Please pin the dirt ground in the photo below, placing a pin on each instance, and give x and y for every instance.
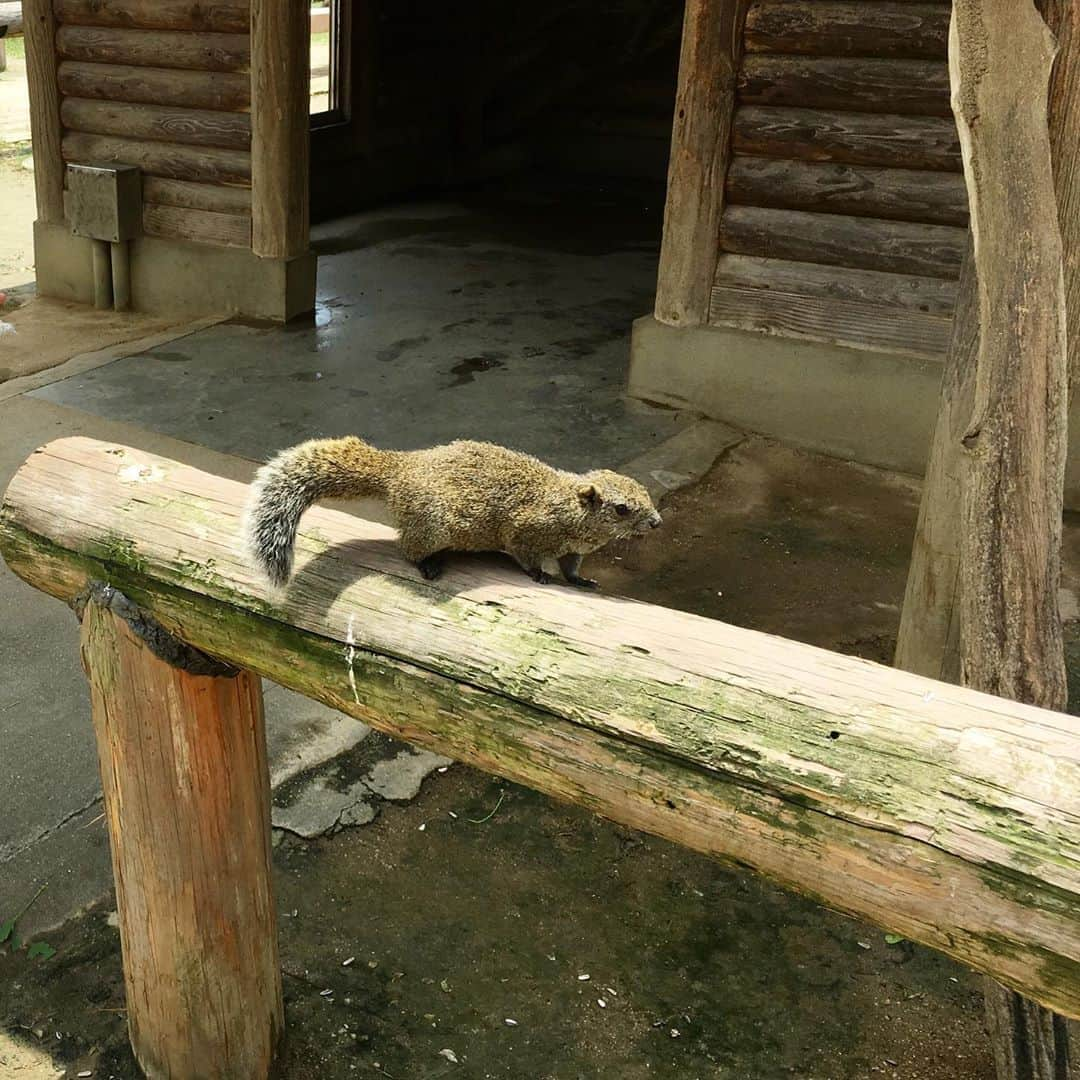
(16, 181)
(17, 220)
(483, 931)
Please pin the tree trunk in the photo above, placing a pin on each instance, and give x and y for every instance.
(982, 590)
(1063, 18)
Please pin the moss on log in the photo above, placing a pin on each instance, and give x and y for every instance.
(942, 814)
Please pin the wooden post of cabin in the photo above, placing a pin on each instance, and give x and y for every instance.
(187, 796)
(700, 142)
(39, 30)
(987, 553)
(280, 93)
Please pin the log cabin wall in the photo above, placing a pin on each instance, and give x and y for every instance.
(845, 211)
(164, 85)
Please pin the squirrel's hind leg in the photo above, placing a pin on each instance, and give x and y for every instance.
(431, 566)
(426, 552)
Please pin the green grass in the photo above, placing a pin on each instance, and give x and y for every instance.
(15, 48)
(321, 39)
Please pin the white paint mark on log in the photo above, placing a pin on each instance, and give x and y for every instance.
(350, 658)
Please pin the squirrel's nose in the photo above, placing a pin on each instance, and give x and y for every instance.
(656, 520)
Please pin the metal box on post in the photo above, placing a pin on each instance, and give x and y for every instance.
(104, 204)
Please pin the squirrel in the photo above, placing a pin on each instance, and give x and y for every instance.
(464, 496)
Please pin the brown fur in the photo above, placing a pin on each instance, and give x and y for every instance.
(465, 496)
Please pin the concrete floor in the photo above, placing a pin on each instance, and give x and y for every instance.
(477, 318)
(434, 322)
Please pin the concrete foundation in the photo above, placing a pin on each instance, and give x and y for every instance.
(875, 408)
(177, 277)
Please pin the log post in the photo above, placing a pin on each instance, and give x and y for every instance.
(929, 639)
(982, 590)
(39, 29)
(183, 765)
(280, 142)
(700, 151)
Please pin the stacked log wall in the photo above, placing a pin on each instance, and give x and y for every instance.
(844, 204)
(165, 86)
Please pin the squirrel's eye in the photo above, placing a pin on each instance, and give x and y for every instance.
(622, 511)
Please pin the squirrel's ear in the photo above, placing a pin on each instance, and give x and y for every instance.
(588, 495)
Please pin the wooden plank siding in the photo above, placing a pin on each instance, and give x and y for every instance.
(164, 85)
(844, 211)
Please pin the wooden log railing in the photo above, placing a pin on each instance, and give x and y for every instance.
(945, 815)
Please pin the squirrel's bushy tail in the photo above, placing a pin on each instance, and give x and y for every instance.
(289, 483)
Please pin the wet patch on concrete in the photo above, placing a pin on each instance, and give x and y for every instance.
(464, 371)
(400, 347)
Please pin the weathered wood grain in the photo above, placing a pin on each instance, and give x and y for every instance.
(905, 142)
(187, 798)
(1063, 19)
(39, 30)
(934, 296)
(199, 226)
(898, 247)
(164, 123)
(227, 91)
(226, 200)
(280, 129)
(919, 87)
(948, 816)
(160, 159)
(700, 145)
(154, 48)
(860, 190)
(848, 28)
(215, 16)
(849, 323)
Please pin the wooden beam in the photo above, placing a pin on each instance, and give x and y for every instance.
(187, 799)
(280, 135)
(39, 30)
(215, 16)
(226, 200)
(950, 817)
(860, 190)
(228, 91)
(850, 138)
(154, 48)
(934, 296)
(848, 28)
(899, 247)
(700, 145)
(160, 159)
(199, 226)
(163, 123)
(919, 87)
(853, 324)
